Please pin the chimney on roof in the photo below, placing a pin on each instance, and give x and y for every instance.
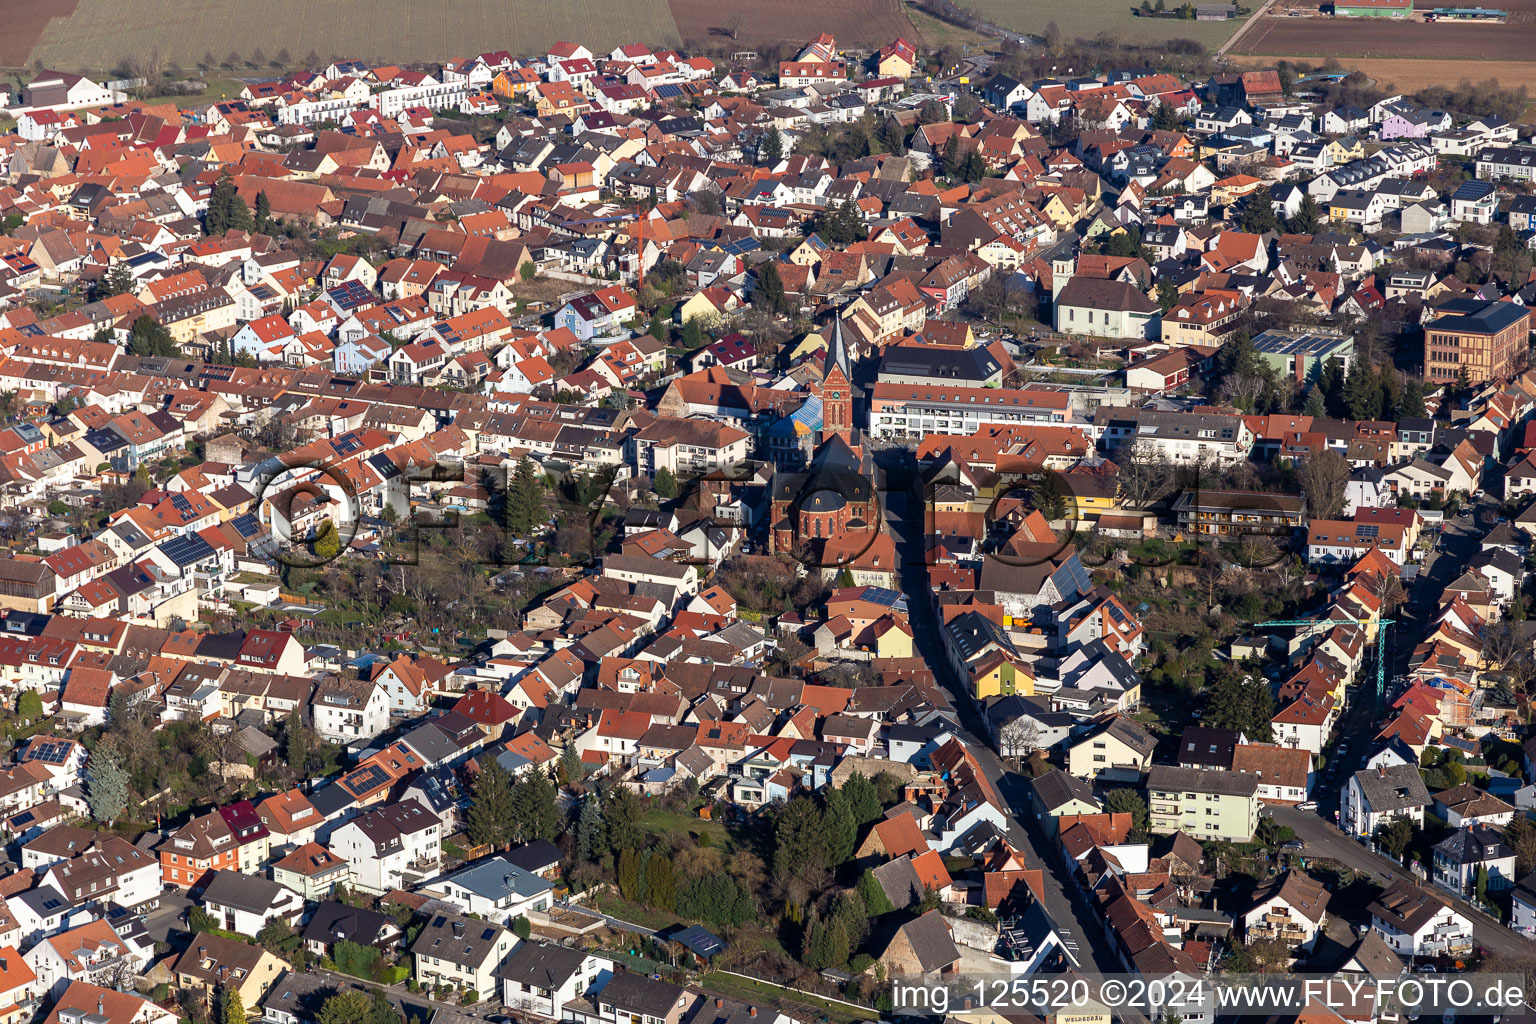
(751, 1011)
(719, 1003)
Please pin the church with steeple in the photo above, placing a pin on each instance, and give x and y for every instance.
(835, 389)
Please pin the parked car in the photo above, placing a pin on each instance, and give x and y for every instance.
(1307, 805)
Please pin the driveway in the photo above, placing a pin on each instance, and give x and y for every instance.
(162, 923)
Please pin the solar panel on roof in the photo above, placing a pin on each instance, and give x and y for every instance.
(187, 550)
(247, 525)
(367, 777)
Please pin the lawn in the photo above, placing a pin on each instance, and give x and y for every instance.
(614, 905)
(215, 89)
(661, 821)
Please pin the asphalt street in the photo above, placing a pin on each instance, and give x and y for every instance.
(1068, 908)
(1324, 840)
(1362, 720)
(1460, 538)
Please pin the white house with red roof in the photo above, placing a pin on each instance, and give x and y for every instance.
(599, 314)
(567, 51)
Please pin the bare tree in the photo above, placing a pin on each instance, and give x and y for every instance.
(1507, 648)
(1145, 476)
(734, 24)
(1324, 476)
(1019, 738)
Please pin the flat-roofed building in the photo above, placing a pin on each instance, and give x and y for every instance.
(1240, 512)
(1301, 354)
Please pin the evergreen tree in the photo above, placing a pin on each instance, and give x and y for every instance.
(874, 897)
(1412, 403)
(841, 224)
(226, 210)
(1330, 381)
(1050, 496)
(1362, 392)
(974, 168)
(1259, 213)
(863, 798)
(799, 845)
(838, 825)
(851, 913)
(836, 943)
(1391, 392)
(148, 338)
(693, 334)
(346, 1008)
(661, 883)
(231, 1006)
(383, 1011)
(570, 764)
(813, 941)
(535, 808)
(1243, 702)
(629, 874)
(1128, 801)
(950, 161)
(106, 785)
(894, 137)
(772, 149)
(1314, 404)
(29, 706)
(621, 819)
(1167, 295)
(490, 813)
(591, 835)
(263, 210)
(327, 543)
(1463, 387)
(1305, 221)
(117, 281)
(298, 743)
(770, 287)
(664, 484)
(525, 499)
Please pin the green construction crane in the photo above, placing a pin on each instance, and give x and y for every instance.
(1381, 643)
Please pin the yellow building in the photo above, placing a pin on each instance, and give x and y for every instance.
(1344, 149)
(997, 675)
(702, 308)
(1203, 804)
(893, 638)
